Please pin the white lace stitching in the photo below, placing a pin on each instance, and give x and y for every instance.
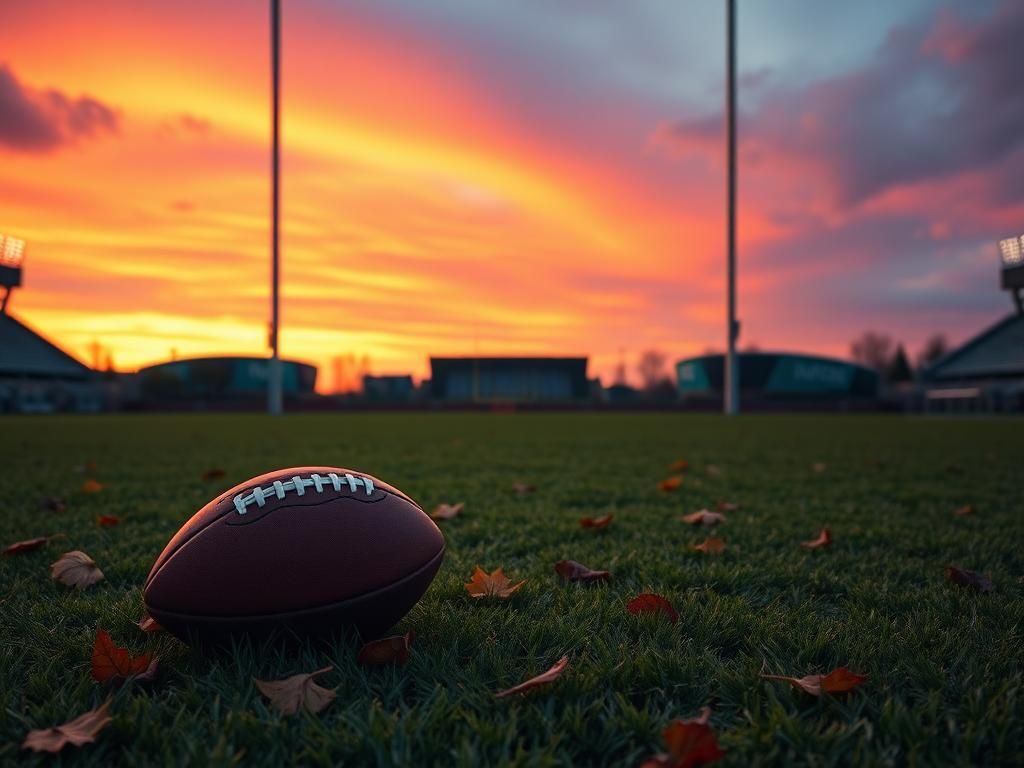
(299, 484)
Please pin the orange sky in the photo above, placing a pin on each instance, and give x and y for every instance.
(426, 211)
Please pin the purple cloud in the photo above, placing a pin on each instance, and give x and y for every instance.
(42, 121)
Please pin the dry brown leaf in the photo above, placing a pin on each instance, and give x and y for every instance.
(109, 662)
(495, 584)
(214, 473)
(824, 539)
(92, 486)
(969, 579)
(727, 506)
(447, 511)
(839, 680)
(149, 625)
(387, 650)
(28, 545)
(297, 692)
(711, 546)
(76, 569)
(703, 517)
(570, 570)
(713, 470)
(651, 603)
(819, 467)
(522, 488)
(81, 730)
(965, 510)
(690, 743)
(107, 521)
(679, 465)
(53, 504)
(673, 483)
(542, 679)
(596, 522)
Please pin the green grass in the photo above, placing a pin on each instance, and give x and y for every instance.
(946, 685)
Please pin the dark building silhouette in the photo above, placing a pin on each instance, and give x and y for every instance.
(220, 380)
(509, 379)
(389, 389)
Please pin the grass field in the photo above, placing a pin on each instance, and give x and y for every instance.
(945, 664)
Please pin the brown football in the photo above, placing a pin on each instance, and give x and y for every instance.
(309, 549)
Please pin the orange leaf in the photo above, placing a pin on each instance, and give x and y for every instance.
(447, 511)
(493, 585)
(703, 517)
(690, 743)
(839, 680)
(297, 692)
(25, 546)
(148, 624)
(106, 521)
(542, 679)
(965, 510)
(673, 483)
(679, 465)
(112, 663)
(81, 730)
(727, 506)
(570, 570)
(975, 581)
(711, 546)
(824, 539)
(76, 569)
(91, 486)
(387, 650)
(596, 522)
(215, 473)
(650, 603)
(522, 488)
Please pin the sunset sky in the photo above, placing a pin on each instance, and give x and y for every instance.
(499, 177)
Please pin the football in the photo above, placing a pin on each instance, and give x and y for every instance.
(310, 550)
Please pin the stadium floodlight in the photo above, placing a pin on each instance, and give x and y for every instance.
(12, 254)
(1011, 250)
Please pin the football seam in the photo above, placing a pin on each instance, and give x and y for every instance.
(279, 616)
(228, 511)
(299, 484)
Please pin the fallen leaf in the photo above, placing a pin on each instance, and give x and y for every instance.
(596, 522)
(27, 545)
(824, 539)
(713, 469)
(542, 679)
(76, 569)
(819, 467)
(570, 570)
(650, 603)
(965, 510)
(711, 546)
(53, 503)
(727, 506)
(92, 486)
(148, 624)
(673, 483)
(494, 585)
(81, 730)
(690, 743)
(109, 662)
(703, 517)
(447, 511)
(522, 488)
(87, 467)
(297, 692)
(970, 579)
(106, 521)
(215, 473)
(839, 680)
(679, 465)
(387, 650)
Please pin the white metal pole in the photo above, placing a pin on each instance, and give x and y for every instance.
(274, 404)
(732, 399)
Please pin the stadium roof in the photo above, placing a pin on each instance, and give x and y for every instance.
(23, 352)
(997, 352)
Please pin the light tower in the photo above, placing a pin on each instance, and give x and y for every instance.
(12, 254)
(1012, 252)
